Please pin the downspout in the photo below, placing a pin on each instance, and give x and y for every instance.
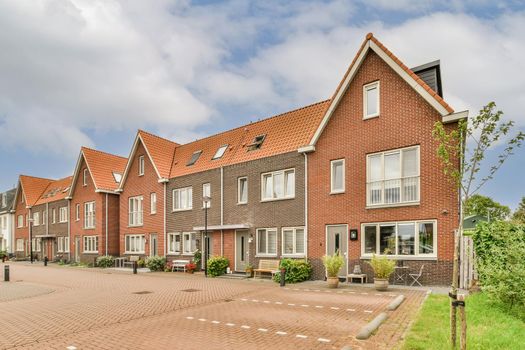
(306, 203)
(107, 232)
(69, 228)
(47, 219)
(164, 214)
(222, 210)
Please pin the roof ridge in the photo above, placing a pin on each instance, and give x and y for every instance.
(258, 121)
(99, 151)
(159, 137)
(37, 177)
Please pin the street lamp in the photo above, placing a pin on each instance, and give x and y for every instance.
(31, 238)
(206, 200)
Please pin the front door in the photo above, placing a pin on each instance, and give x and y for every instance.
(337, 241)
(242, 250)
(77, 249)
(153, 245)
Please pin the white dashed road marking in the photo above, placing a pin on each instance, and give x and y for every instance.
(230, 324)
(323, 340)
(202, 319)
(216, 322)
(245, 326)
(301, 336)
(189, 318)
(368, 311)
(262, 329)
(281, 333)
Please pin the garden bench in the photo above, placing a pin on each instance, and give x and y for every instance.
(267, 266)
(132, 260)
(178, 264)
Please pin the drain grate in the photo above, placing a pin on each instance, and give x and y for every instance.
(142, 292)
(190, 290)
(227, 300)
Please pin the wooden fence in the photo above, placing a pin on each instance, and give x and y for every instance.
(467, 272)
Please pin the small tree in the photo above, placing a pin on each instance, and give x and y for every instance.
(483, 205)
(519, 214)
(462, 152)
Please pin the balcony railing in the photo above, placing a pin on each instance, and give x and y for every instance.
(393, 191)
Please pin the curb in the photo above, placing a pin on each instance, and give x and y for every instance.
(372, 326)
(395, 303)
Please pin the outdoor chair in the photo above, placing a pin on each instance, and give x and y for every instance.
(417, 276)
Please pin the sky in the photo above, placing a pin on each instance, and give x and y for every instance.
(90, 73)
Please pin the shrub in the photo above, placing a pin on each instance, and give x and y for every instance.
(197, 258)
(190, 267)
(383, 266)
(297, 270)
(141, 263)
(500, 262)
(105, 261)
(155, 263)
(333, 264)
(217, 265)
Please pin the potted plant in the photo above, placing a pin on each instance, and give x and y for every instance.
(383, 268)
(249, 270)
(141, 263)
(190, 268)
(333, 264)
(3, 255)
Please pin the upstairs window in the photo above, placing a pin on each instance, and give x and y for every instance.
(242, 190)
(20, 221)
(36, 219)
(44, 217)
(135, 211)
(278, 185)
(63, 214)
(183, 199)
(257, 143)
(371, 100)
(141, 165)
(89, 215)
(84, 180)
(393, 177)
(53, 215)
(220, 152)
(77, 212)
(194, 157)
(337, 175)
(153, 203)
(206, 192)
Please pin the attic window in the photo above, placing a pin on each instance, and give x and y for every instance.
(117, 177)
(194, 157)
(257, 142)
(220, 152)
(65, 190)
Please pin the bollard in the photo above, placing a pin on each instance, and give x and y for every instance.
(283, 277)
(134, 267)
(45, 261)
(6, 273)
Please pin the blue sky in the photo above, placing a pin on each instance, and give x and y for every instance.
(92, 72)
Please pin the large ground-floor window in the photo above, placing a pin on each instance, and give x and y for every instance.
(404, 239)
(90, 244)
(135, 244)
(174, 243)
(63, 244)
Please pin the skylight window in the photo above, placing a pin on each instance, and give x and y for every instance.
(194, 157)
(220, 152)
(65, 190)
(117, 177)
(257, 142)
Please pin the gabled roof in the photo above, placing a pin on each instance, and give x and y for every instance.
(283, 133)
(160, 151)
(55, 191)
(371, 43)
(9, 200)
(32, 188)
(101, 166)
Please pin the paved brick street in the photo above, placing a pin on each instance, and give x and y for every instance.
(57, 307)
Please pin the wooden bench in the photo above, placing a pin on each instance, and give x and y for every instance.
(178, 264)
(267, 266)
(132, 259)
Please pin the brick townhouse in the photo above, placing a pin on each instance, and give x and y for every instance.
(375, 183)
(94, 208)
(7, 221)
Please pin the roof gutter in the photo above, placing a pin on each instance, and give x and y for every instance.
(306, 149)
(455, 117)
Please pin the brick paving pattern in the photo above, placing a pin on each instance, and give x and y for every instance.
(57, 307)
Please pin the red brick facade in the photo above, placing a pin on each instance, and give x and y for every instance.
(23, 231)
(406, 119)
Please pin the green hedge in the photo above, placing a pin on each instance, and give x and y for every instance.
(217, 266)
(297, 270)
(500, 261)
(105, 261)
(156, 263)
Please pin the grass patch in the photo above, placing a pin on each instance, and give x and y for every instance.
(489, 326)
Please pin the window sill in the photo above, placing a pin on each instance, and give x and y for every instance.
(153, 213)
(187, 254)
(179, 210)
(395, 205)
(337, 192)
(293, 256)
(90, 252)
(131, 226)
(402, 257)
(174, 253)
(89, 228)
(242, 203)
(372, 116)
(266, 256)
(276, 199)
(131, 253)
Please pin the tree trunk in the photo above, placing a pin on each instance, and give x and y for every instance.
(454, 287)
(463, 323)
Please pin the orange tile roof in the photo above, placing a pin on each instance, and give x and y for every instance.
(33, 187)
(284, 133)
(55, 191)
(102, 165)
(160, 150)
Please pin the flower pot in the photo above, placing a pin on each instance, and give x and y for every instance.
(333, 282)
(249, 273)
(381, 284)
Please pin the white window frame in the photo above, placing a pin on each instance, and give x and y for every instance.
(36, 219)
(401, 202)
(284, 184)
(220, 152)
(136, 217)
(53, 216)
(153, 203)
(397, 256)
(189, 197)
(77, 212)
(141, 165)
(20, 245)
(206, 191)
(62, 214)
(171, 243)
(332, 164)
(294, 233)
(63, 244)
(90, 244)
(20, 221)
(264, 254)
(367, 87)
(84, 180)
(89, 215)
(239, 197)
(133, 248)
(44, 217)
(192, 237)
